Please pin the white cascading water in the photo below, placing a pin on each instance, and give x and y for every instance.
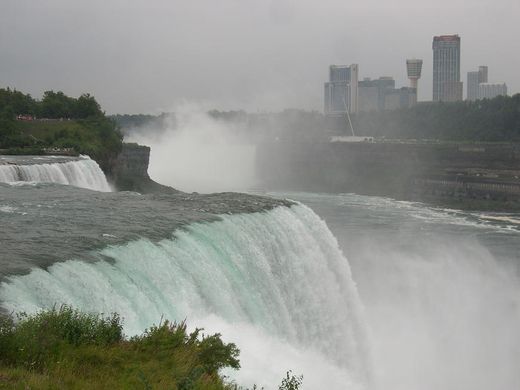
(84, 173)
(274, 282)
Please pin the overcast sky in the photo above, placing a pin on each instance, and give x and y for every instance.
(141, 56)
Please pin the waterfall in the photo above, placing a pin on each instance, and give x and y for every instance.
(82, 172)
(275, 282)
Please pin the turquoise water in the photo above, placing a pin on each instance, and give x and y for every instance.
(440, 288)
(353, 292)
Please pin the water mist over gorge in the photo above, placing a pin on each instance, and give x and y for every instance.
(194, 152)
(260, 195)
(440, 288)
(351, 291)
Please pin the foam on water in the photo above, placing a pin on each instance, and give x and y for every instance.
(274, 282)
(7, 209)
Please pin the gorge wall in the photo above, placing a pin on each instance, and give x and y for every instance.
(129, 171)
(475, 175)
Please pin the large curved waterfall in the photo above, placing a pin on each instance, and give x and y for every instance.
(82, 172)
(278, 275)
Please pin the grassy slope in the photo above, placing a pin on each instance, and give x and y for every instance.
(95, 137)
(65, 349)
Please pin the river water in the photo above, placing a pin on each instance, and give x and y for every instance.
(353, 292)
(440, 288)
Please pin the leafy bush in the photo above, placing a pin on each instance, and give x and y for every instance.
(81, 350)
(291, 382)
(64, 348)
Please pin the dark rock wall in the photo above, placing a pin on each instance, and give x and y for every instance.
(401, 170)
(132, 162)
(129, 171)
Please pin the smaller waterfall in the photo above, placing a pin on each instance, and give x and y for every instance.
(82, 172)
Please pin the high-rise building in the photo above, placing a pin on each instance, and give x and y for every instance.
(474, 79)
(482, 74)
(396, 99)
(380, 94)
(341, 91)
(372, 93)
(446, 68)
(491, 90)
(413, 69)
(368, 97)
(472, 86)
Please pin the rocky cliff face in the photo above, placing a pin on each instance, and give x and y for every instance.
(129, 171)
(417, 171)
(132, 161)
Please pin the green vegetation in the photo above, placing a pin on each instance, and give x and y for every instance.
(488, 120)
(53, 105)
(29, 126)
(66, 349)
(127, 121)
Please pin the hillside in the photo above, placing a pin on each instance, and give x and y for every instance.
(57, 124)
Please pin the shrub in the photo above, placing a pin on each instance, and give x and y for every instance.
(33, 340)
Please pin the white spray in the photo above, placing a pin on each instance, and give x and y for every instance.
(199, 153)
(274, 282)
(84, 173)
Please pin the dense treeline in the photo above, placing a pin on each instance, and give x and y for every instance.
(53, 105)
(57, 121)
(488, 120)
(128, 121)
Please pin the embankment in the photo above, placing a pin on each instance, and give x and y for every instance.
(466, 175)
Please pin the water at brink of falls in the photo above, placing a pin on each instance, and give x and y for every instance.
(428, 298)
(80, 172)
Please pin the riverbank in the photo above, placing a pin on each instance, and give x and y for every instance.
(468, 175)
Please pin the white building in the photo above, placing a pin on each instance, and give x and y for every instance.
(491, 90)
(474, 79)
(341, 91)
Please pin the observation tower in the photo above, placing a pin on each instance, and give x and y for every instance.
(414, 68)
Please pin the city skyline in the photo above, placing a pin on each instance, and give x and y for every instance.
(253, 55)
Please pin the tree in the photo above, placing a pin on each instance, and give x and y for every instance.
(56, 105)
(86, 106)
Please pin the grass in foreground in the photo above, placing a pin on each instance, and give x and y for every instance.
(67, 349)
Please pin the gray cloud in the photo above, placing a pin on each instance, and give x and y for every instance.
(146, 56)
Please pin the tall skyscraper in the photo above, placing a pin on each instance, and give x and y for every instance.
(413, 69)
(474, 79)
(341, 91)
(446, 68)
